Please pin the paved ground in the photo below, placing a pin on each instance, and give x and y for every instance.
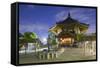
(70, 54)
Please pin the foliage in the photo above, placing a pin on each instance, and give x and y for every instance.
(27, 37)
(54, 42)
(91, 37)
(30, 36)
(80, 37)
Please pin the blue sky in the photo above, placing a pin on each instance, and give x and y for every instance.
(38, 19)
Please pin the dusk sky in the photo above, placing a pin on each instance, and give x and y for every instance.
(38, 19)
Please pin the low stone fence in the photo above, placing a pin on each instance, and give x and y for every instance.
(50, 54)
(89, 48)
(47, 55)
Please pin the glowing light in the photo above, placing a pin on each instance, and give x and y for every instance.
(44, 40)
(65, 40)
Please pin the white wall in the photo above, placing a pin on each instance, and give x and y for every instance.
(5, 33)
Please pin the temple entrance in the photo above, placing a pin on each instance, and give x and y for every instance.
(66, 41)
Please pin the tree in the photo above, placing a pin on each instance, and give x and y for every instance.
(21, 40)
(90, 37)
(28, 37)
(52, 41)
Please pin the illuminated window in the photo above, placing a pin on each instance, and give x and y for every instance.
(65, 40)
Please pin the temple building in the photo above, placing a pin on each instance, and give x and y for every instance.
(67, 30)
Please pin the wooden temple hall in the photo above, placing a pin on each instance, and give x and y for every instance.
(65, 31)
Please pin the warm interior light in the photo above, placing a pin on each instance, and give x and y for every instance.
(65, 40)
